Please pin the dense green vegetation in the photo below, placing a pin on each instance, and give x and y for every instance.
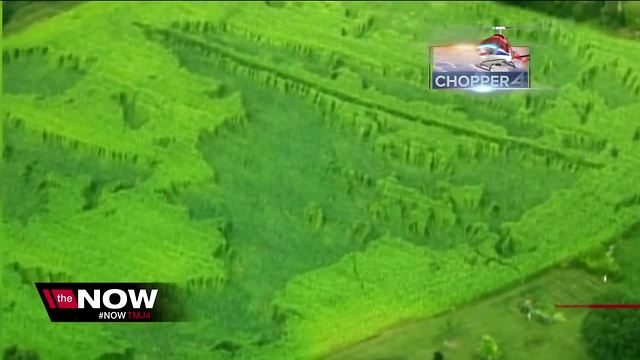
(17, 15)
(286, 166)
(617, 15)
(613, 334)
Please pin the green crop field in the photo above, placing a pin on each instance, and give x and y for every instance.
(286, 166)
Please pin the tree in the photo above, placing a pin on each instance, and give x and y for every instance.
(489, 349)
(612, 333)
(16, 353)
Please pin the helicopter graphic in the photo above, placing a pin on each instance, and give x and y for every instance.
(496, 51)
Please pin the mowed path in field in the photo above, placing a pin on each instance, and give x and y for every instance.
(457, 333)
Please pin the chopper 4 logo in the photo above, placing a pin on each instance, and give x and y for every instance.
(493, 64)
(89, 302)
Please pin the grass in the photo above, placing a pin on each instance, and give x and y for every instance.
(285, 164)
(457, 334)
(624, 254)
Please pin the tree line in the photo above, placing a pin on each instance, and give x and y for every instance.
(613, 14)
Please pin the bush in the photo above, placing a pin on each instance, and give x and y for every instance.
(612, 333)
(489, 349)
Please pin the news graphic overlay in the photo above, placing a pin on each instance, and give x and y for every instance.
(111, 302)
(479, 67)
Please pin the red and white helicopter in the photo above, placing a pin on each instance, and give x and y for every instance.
(496, 51)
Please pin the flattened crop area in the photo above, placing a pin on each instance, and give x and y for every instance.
(286, 166)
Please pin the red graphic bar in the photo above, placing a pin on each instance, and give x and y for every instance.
(47, 295)
(598, 306)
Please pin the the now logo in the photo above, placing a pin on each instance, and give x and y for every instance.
(106, 301)
(133, 297)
